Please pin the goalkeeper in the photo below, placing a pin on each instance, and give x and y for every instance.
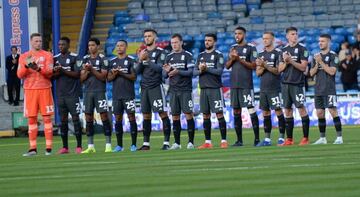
(36, 68)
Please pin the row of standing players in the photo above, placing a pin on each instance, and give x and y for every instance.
(282, 74)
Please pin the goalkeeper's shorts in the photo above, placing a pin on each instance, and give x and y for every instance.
(35, 100)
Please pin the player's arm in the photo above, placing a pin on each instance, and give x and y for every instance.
(84, 74)
(72, 73)
(219, 66)
(131, 76)
(23, 70)
(303, 59)
(273, 70)
(100, 75)
(47, 70)
(330, 69)
(112, 74)
(233, 56)
(190, 67)
(314, 68)
(196, 70)
(259, 71)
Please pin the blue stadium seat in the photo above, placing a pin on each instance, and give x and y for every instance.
(351, 39)
(142, 18)
(214, 15)
(234, 2)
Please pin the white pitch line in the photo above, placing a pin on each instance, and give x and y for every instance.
(262, 167)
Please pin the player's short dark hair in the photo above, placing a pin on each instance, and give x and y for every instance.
(150, 30)
(212, 35)
(97, 41)
(13, 47)
(177, 36)
(270, 33)
(35, 35)
(241, 29)
(325, 36)
(291, 29)
(122, 40)
(66, 39)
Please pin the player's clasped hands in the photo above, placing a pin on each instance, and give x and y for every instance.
(260, 62)
(202, 67)
(287, 57)
(31, 63)
(143, 55)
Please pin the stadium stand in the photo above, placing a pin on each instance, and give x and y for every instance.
(194, 18)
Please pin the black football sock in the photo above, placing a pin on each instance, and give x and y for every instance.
(322, 126)
(64, 133)
(191, 130)
(207, 129)
(255, 124)
(267, 126)
(238, 127)
(289, 122)
(177, 131)
(134, 131)
(222, 127)
(305, 125)
(119, 133)
(78, 133)
(281, 120)
(146, 130)
(337, 124)
(166, 128)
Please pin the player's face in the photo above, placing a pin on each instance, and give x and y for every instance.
(63, 46)
(292, 37)
(176, 44)
(121, 48)
(14, 50)
(324, 43)
(93, 48)
(149, 38)
(239, 36)
(209, 43)
(268, 40)
(36, 42)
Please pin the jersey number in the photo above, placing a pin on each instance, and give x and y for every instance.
(102, 104)
(78, 107)
(247, 99)
(130, 104)
(158, 103)
(300, 98)
(49, 108)
(275, 101)
(218, 104)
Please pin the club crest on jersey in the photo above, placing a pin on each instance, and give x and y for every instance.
(68, 61)
(106, 63)
(114, 63)
(162, 57)
(327, 58)
(126, 62)
(221, 60)
(244, 50)
(212, 57)
(79, 63)
(272, 56)
(97, 62)
(336, 60)
(153, 54)
(182, 57)
(296, 50)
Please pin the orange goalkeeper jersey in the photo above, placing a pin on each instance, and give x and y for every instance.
(34, 79)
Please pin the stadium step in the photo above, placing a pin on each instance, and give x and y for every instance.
(109, 10)
(72, 13)
(104, 16)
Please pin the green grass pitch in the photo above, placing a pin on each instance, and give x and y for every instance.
(323, 170)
